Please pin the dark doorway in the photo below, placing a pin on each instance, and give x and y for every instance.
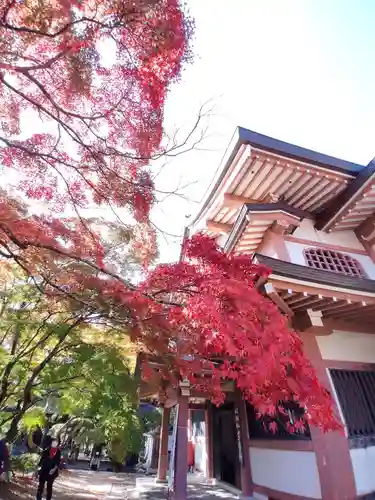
(225, 447)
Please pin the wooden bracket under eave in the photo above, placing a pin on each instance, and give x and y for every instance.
(260, 282)
(234, 200)
(218, 227)
(275, 297)
(311, 321)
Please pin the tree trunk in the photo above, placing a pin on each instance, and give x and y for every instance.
(27, 393)
(13, 429)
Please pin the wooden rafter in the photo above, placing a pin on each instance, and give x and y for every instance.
(275, 297)
(234, 200)
(218, 227)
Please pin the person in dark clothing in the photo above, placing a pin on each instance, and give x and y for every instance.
(49, 467)
(4, 458)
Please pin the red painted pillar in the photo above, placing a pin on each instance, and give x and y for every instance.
(331, 448)
(243, 445)
(181, 457)
(163, 447)
(209, 443)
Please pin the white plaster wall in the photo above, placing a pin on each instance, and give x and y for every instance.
(348, 346)
(200, 455)
(363, 460)
(293, 472)
(297, 257)
(259, 496)
(296, 252)
(344, 238)
(268, 249)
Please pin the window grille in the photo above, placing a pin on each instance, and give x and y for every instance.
(355, 391)
(337, 262)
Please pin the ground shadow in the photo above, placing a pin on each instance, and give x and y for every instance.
(195, 492)
(77, 485)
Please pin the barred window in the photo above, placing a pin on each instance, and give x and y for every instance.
(337, 262)
(355, 391)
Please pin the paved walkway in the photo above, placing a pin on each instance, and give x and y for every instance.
(76, 485)
(95, 485)
(87, 485)
(197, 490)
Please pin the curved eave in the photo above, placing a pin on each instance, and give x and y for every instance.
(222, 171)
(256, 167)
(253, 222)
(354, 205)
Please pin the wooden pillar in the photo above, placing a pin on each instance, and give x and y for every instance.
(191, 444)
(209, 442)
(163, 447)
(331, 448)
(155, 452)
(243, 445)
(181, 458)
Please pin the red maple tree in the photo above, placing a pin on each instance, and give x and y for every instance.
(221, 323)
(97, 73)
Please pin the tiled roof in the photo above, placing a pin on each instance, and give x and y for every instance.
(296, 152)
(304, 273)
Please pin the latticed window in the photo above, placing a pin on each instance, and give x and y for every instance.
(337, 262)
(355, 391)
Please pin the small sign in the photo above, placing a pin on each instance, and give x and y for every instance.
(238, 432)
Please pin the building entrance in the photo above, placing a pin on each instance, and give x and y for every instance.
(225, 447)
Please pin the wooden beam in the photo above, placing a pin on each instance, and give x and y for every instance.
(347, 325)
(283, 220)
(275, 297)
(260, 282)
(310, 321)
(311, 303)
(195, 406)
(219, 227)
(343, 294)
(234, 200)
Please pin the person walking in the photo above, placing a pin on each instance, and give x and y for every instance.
(4, 461)
(49, 467)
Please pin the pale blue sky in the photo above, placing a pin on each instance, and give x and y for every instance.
(302, 71)
(299, 70)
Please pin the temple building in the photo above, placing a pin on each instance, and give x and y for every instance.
(310, 218)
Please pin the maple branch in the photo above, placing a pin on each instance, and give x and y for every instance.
(24, 29)
(65, 379)
(25, 69)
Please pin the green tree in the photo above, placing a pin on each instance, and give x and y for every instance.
(46, 346)
(103, 403)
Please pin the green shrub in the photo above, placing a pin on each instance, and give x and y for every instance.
(28, 462)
